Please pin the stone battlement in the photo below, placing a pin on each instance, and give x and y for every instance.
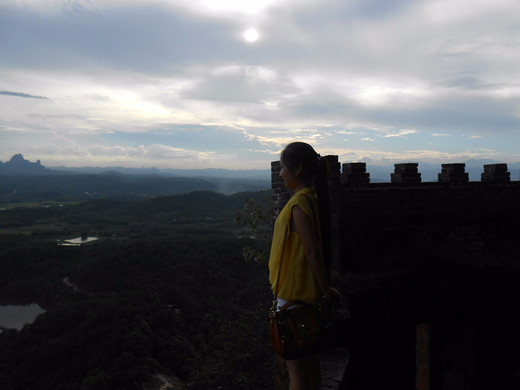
(379, 215)
(431, 274)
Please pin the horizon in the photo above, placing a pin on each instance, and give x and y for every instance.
(205, 85)
(474, 163)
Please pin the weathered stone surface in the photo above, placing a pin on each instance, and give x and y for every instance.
(495, 173)
(442, 254)
(333, 365)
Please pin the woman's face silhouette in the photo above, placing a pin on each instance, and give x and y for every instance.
(291, 179)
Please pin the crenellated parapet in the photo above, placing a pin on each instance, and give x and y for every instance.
(495, 173)
(355, 174)
(407, 174)
(430, 271)
(372, 222)
(280, 193)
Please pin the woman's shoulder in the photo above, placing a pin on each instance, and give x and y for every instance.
(304, 196)
(305, 201)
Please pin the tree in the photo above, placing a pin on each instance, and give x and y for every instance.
(255, 217)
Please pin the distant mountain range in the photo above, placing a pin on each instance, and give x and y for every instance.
(156, 181)
(20, 166)
(22, 179)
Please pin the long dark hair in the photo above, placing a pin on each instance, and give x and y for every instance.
(315, 170)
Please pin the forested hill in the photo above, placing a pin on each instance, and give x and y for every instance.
(195, 204)
(84, 186)
(22, 180)
(187, 308)
(196, 213)
(191, 206)
(164, 292)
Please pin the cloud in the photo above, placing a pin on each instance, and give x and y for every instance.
(241, 84)
(400, 133)
(436, 76)
(20, 94)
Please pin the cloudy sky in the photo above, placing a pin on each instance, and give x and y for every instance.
(227, 83)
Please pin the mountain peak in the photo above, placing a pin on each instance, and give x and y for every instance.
(17, 157)
(18, 165)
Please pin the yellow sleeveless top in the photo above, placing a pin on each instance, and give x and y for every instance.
(296, 279)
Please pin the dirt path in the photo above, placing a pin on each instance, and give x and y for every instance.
(166, 384)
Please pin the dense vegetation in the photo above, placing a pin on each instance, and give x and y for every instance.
(195, 213)
(67, 186)
(178, 303)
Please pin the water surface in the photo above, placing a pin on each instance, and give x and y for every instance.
(16, 316)
(79, 241)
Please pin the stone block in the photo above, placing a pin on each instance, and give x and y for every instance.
(405, 179)
(406, 168)
(351, 168)
(495, 168)
(453, 168)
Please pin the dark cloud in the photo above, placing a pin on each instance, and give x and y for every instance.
(245, 84)
(22, 95)
(470, 83)
(149, 38)
(376, 9)
(456, 114)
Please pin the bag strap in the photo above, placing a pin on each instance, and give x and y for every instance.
(275, 296)
(293, 303)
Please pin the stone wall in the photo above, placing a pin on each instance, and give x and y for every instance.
(431, 274)
(380, 226)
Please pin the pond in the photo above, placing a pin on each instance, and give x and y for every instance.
(16, 316)
(78, 241)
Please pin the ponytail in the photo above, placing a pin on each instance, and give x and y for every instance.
(321, 187)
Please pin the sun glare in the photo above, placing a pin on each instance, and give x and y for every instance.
(251, 35)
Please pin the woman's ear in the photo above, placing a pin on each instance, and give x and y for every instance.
(299, 169)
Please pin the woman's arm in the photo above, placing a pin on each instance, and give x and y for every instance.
(305, 230)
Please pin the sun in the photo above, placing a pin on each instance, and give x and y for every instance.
(251, 35)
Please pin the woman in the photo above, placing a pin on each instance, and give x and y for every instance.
(299, 240)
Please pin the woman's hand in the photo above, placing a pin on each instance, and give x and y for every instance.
(332, 295)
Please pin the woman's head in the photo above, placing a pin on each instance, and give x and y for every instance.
(302, 161)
